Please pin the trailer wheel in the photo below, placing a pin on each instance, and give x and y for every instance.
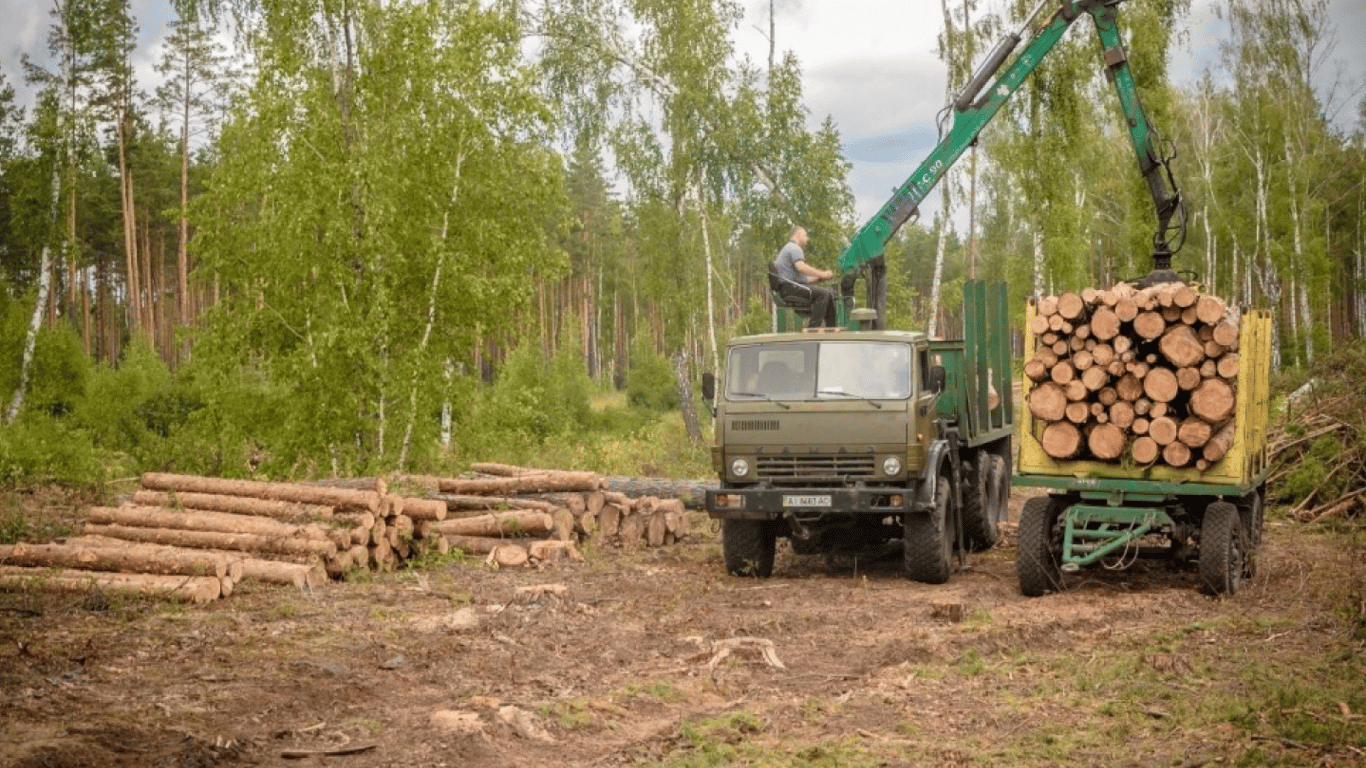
(986, 502)
(927, 538)
(1251, 510)
(748, 547)
(1223, 549)
(1036, 557)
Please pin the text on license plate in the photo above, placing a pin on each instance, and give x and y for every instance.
(812, 500)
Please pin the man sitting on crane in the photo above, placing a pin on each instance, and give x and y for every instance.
(797, 280)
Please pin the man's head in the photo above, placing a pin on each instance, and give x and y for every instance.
(798, 236)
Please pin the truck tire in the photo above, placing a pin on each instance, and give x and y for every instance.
(1251, 509)
(1036, 558)
(1223, 549)
(748, 547)
(927, 538)
(986, 501)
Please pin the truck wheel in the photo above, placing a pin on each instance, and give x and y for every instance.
(986, 502)
(1036, 558)
(1223, 549)
(1251, 510)
(927, 539)
(748, 547)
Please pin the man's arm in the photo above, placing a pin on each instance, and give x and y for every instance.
(812, 272)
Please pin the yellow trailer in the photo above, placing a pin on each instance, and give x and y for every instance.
(1113, 512)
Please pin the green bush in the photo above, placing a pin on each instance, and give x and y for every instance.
(650, 381)
(38, 449)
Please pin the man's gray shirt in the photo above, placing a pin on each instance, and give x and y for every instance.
(787, 263)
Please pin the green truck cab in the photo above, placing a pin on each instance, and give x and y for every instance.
(844, 440)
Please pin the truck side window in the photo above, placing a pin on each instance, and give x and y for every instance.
(923, 369)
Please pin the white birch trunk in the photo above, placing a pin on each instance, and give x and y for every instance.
(16, 402)
(706, 252)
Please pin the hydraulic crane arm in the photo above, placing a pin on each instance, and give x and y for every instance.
(972, 114)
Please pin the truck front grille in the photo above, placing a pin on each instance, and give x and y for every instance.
(794, 467)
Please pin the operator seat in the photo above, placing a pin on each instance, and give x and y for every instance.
(799, 301)
(775, 376)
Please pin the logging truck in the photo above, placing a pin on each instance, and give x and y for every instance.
(848, 440)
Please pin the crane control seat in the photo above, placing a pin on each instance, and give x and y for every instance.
(797, 297)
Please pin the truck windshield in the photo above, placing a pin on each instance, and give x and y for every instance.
(820, 370)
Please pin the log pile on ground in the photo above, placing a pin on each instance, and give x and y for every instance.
(186, 537)
(1149, 373)
(192, 538)
(515, 515)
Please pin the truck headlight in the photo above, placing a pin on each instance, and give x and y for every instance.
(891, 466)
(739, 467)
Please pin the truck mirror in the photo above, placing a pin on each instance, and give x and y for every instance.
(937, 379)
(708, 386)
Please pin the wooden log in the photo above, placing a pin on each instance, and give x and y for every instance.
(1061, 440)
(1077, 412)
(205, 520)
(609, 519)
(202, 520)
(1185, 296)
(1063, 372)
(1227, 366)
(1149, 325)
(1226, 332)
(458, 501)
(1160, 385)
(501, 470)
(1188, 378)
(1048, 402)
(1126, 309)
(1163, 429)
(509, 523)
(1140, 425)
(1219, 443)
(1176, 454)
(130, 558)
(1106, 442)
(244, 542)
(1094, 378)
(1194, 432)
(536, 483)
(241, 505)
(1082, 361)
(1107, 396)
(1038, 324)
(1210, 309)
(308, 494)
(632, 531)
(1213, 401)
(424, 509)
(563, 526)
(192, 589)
(1129, 388)
(1071, 306)
(508, 556)
(1076, 390)
(1122, 414)
(1158, 410)
(1145, 450)
(1181, 346)
(1047, 305)
(550, 550)
(1105, 324)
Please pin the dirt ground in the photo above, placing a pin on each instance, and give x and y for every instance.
(656, 657)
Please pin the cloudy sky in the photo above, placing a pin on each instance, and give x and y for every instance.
(869, 64)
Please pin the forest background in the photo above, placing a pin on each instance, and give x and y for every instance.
(345, 237)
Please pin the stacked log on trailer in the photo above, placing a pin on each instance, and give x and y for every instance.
(515, 515)
(1147, 375)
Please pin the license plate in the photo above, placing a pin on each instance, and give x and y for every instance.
(817, 500)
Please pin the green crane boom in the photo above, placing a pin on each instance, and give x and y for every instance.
(971, 115)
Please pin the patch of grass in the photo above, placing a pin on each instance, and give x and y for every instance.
(570, 714)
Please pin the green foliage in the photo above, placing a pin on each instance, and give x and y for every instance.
(650, 380)
(39, 449)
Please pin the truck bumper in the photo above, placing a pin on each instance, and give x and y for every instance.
(807, 503)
